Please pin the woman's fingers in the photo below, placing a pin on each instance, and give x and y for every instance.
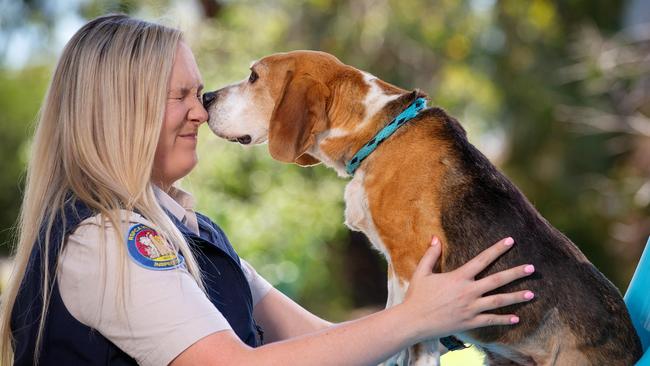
(485, 320)
(496, 280)
(452, 302)
(429, 259)
(496, 301)
(489, 255)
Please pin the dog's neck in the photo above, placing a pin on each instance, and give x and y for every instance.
(336, 146)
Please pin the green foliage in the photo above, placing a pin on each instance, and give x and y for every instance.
(20, 96)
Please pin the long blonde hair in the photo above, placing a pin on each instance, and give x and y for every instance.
(96, 137)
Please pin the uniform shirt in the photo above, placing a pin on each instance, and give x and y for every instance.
(160, 313)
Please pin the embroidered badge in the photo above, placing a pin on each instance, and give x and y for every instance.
(149, 250)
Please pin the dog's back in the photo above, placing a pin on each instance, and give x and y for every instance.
(578, 317)
(484, 207)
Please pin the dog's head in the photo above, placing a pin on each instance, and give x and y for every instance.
(291, 98)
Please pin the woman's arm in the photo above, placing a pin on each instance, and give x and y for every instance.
(282, 318)
(435, 305)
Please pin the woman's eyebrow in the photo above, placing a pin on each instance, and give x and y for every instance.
(186, 90)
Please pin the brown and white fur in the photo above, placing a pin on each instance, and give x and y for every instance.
(425, 180)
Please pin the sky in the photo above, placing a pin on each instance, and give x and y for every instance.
(26, 40)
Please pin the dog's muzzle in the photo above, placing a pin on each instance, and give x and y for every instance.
(211, 97)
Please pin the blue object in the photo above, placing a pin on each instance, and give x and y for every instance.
(645, 360)
(370, 146)
(637, 300)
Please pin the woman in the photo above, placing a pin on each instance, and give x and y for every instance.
(121, 251)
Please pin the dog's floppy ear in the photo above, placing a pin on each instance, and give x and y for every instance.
(300, 114)
(306, 160)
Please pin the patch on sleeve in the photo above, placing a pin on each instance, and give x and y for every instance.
(150, 250)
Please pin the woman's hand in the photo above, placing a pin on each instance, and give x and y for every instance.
(451, 302)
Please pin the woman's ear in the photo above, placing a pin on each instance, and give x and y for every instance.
(300, 114)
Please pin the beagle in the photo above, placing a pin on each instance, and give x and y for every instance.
(424, 179)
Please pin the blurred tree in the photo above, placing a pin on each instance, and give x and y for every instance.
(613, 87)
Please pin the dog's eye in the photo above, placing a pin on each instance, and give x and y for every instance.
(253, 77)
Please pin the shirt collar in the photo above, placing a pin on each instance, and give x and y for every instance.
(177, 201)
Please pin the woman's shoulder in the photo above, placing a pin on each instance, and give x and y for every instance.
(102, 228)
(122, 218)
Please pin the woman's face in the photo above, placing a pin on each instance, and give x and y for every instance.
(176, 151)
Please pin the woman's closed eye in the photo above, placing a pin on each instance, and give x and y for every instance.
(185, 93)
(198, 96)
(176, 96)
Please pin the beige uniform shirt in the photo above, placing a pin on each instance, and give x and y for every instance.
(160, 313)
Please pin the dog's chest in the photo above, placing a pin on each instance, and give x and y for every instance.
(357, 212)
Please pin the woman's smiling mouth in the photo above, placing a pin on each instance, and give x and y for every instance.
(190, 136)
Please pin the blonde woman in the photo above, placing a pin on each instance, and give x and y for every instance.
(114, 266)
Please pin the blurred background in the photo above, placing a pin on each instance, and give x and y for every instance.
(555, 93)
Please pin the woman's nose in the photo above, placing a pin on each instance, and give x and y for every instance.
(197, 112)
(208, 98)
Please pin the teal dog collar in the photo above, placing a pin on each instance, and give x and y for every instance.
(370, 146)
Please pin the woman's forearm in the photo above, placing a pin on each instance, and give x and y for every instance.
(281, 318)
(365, 341)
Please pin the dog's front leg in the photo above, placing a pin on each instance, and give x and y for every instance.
(425, 353)
(395, 296)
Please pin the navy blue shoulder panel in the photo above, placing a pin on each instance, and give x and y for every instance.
(214, 232)
(225, 282)
(66, 341)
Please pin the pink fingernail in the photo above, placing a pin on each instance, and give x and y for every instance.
(509, 241)
(529, 295)
(529, 268)
(514, 320)
(435, 241)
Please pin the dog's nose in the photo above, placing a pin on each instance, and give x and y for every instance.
(208, 98)
(244, 140)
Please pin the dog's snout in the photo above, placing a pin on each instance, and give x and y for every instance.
(208, 98)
